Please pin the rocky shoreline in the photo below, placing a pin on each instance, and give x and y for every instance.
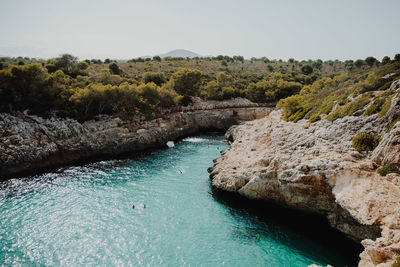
(314, 168)
(29, 144)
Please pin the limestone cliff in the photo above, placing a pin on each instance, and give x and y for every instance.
(313, 167)
(31, 143)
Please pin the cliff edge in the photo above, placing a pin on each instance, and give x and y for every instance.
(29, 144)
(314, 168)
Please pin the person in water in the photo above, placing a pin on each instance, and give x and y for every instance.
(133, 206)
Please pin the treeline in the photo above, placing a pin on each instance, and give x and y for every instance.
(65, 86)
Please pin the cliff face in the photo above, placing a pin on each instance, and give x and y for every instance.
(314, 168)
(29, 143)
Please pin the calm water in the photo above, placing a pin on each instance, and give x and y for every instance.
(83, 216)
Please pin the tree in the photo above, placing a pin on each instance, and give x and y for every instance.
(107, 61)
(317, 65)
(24, 87)
(238, 58)
(307, 69)
(358, 63)
(397, 58)
(157, 58)
(385, 60)
(155, 77)
(186, 81)
(114, 69)
(66, 63)
(370, 61)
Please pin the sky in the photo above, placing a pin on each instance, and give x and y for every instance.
(124, 29)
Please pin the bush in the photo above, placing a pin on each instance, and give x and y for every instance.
(365, 142)
(373, 82)
(114, 69)
(396, 263)
(388, 168)
(314, 118)
(385, 107)
(306, 70)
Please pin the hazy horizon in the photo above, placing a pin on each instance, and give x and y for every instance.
(120, 29)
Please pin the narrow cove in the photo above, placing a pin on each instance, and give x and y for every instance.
(83, 216)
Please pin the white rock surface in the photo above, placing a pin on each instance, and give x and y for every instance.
(314, 168)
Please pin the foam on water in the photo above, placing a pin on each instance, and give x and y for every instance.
(195, 140)
(83, 215)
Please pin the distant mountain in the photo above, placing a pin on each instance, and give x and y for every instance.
(180, 53)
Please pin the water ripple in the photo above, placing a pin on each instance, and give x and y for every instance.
(83, 215)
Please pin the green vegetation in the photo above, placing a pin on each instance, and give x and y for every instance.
(376, 105)
(84, 89)
(385, 107)
(350, 108)
(388, 168)
(393, 123)
(365, 142)
(396, 263)
(364, 90)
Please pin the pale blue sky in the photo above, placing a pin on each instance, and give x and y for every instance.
(302, 29)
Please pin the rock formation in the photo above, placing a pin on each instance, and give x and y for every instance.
(313, 167)
(30, 143)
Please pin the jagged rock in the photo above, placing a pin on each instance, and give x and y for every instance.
(315, 169)
(388, 150)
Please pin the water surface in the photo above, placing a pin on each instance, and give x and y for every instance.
(83, 216)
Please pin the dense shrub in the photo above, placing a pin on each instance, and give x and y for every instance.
(365, 142)
(388, 168)
(396, 263)
(276, 86)
(114, 69)
(385, 107)
(372, 82)
(349, 108)
(315, 99)
(155, 77)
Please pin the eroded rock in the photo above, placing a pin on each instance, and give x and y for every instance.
(315, 169)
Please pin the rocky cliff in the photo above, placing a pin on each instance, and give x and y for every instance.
(313, 167)
(30, 143)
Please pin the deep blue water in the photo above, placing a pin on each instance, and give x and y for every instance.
(83, 216)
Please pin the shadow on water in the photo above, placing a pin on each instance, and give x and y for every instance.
(308, 234)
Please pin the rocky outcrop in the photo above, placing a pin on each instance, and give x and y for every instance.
(313, 167)
(31, 143)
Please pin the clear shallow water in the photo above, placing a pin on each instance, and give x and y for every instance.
(83, 216)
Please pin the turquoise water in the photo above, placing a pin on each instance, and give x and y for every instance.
(83, 216)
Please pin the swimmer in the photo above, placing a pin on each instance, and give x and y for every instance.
(180, 171)
(133, 206)
(144, 206)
